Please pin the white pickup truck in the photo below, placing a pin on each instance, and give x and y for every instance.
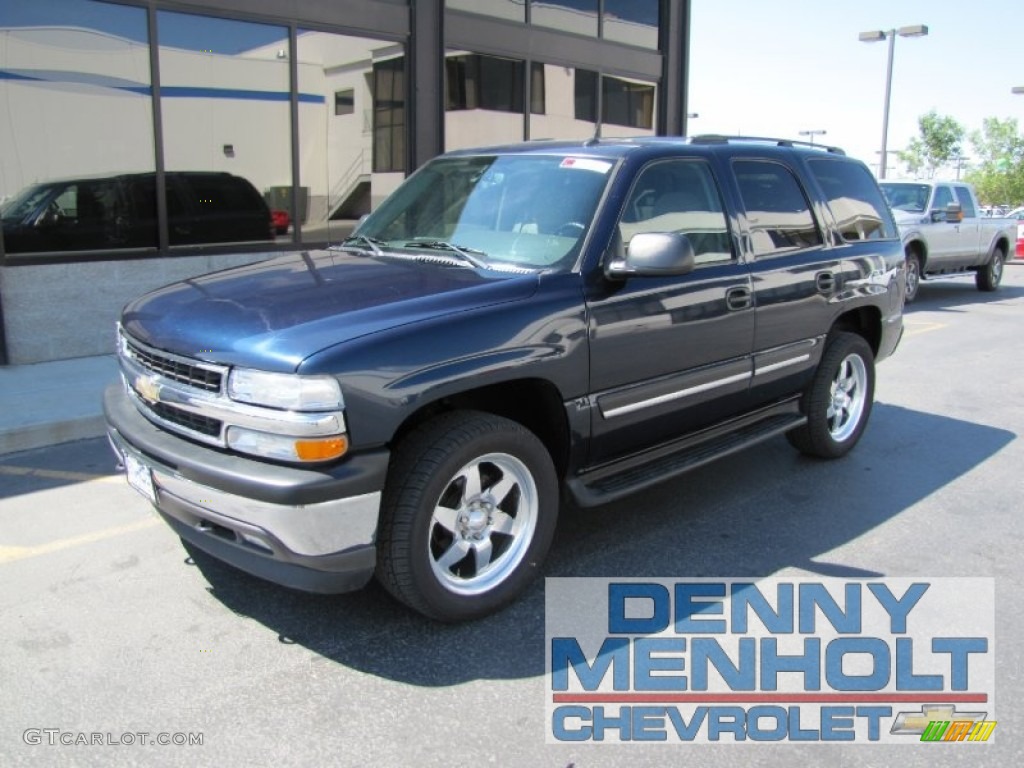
(943, 233)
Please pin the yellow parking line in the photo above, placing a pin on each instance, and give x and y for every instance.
(10, 554)
(56, 474)
(916, 329)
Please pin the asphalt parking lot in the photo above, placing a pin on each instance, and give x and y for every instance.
(108, 624)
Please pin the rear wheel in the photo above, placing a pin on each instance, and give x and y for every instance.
(468, 514)
(838, 401)
(988, 277)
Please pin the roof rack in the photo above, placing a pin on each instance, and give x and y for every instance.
(714, 138)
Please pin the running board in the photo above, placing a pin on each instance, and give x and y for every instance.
(634, 473)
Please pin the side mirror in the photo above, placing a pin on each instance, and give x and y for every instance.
(653, 254)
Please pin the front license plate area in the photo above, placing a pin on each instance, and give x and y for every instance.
(139, 477)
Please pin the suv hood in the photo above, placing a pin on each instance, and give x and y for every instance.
(274, 314)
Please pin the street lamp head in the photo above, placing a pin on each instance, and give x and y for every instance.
(874, 36)
(914, 30)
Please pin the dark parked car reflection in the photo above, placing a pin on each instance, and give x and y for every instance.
(120, 212)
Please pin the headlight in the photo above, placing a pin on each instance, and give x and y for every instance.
(287, 391)
(285, 447)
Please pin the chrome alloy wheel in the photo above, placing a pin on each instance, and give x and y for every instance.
(483, 523)
(848, 395)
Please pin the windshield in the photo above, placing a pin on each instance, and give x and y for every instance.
(524, 211)
(25, 202)
(907, 197)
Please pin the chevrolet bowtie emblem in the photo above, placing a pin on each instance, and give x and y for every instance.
(148, 388)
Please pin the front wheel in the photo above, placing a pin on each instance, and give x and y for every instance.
(913, 277)
(468, 514)
(988, 277)
(838, 401)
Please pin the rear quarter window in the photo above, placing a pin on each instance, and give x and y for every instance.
(856, 201)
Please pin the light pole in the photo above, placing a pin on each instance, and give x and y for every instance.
(813, 133)
(876, 36)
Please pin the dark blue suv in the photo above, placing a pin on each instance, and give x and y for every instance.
(512, 322)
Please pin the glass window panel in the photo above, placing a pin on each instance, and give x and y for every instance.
(226, 127)
(778, 214)
(347, 150)
(578, 16)
(679, 196)
(628, 103)
(77, 127)
(632, 21)
(483, 99)
(854, 198)
(513, 10)
(570, 104)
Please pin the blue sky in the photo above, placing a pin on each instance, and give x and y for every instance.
(776, 68)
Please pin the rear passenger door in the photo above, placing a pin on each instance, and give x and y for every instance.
(795, 275)
(670, 354)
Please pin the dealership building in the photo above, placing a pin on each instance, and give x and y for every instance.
(144, 142)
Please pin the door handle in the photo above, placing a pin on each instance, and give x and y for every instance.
(738, 298)
(825, 282)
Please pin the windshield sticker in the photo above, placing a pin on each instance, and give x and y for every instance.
(586, 164)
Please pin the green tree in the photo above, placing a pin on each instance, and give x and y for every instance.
(998, 170)
(937, 146)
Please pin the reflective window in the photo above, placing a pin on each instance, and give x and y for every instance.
(631, 21)
(513, 10)
(679, 196)
(778, 216)
(943, 197)
(483, 100)
(474, 81)
(344, 102)
(577, 16)
(389, 115)
(224, 88)
(77, 127)
(906, 197)
(517, 209)
(569, 105)
(966, 202)
(853, 196)
(344, 142)
(627, 102)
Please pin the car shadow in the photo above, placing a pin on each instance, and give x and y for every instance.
(782, 511)
(944, 294)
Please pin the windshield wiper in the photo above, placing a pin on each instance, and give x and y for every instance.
(466, 254)
(373, 242)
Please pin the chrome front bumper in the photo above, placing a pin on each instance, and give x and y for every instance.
(321, 545)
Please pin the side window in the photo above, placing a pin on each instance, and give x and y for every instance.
(778, 214)
(679, 196)
(943, 197)
(966, 203)
(854, 198)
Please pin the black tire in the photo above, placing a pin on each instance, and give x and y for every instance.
(988, 277)
(913, 266)
(838, 400)
(455, 557)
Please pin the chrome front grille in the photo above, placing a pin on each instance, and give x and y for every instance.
(180, 369)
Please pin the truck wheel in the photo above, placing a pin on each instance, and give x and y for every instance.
(913, 277)
(988, 277)
(838, 401)
(468, 514)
